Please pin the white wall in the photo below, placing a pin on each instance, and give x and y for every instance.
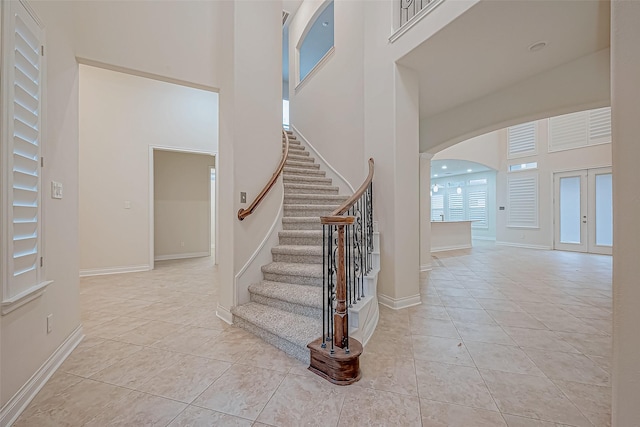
(182, 204)
(24, 342)
(327, 108)
(121, 116)
(173, 39)
(625, 106)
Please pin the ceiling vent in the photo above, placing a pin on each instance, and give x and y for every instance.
(285, 16)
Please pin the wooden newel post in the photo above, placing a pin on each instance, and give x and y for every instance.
(340, 317)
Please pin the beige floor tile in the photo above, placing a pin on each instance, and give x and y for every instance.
(499, 305)
(74, 406)
(301, 400)
(433, 328)
(242, 391)
(589, 344)
(593, 401)
(438, 414)
(184, 380)
(484, 333)
(539, 339)
(379, 408)
(428, 312)
(603, 362)
(88, 361)
(229, 346)
(187, 339)
(149, 333)
(445, 291)
(460, 385)
(58, 383)
(118, 326)
(514, 421)
(381, 342)
(532, 397)
(518, 320)
(266, 356)
(388, 373)
(501, 358)
(443, 350)
(465, 315)
(137, 368)
(200, 417)
(568, 366)
(138, 409)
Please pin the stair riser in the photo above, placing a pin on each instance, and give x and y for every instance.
(286, 278)
(305, 166)
(294, 157)
(302, 259)
(301, 241)
(290, 190)
(301, 226)
(306, 211)
(300, 200)
(304, 172)
(300, 179)
(303, 310)
(300, 353)
(296, 148)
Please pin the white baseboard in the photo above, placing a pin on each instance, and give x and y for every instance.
(114, 270)
(492, 239)
(399, 303)
(14, 407)
(224, 314)
(524, 245)
(426, 267)
(181, 256)
(450, 248)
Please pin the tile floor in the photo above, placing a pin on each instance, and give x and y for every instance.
(504, 337)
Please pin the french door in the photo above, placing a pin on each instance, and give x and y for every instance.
(583, 217)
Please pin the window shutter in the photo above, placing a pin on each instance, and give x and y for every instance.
(568, 131)
(523, 201)
(600, 126)
(478, 209)
(456, 207)
(23, 133)
(522, 140)
(437, 207)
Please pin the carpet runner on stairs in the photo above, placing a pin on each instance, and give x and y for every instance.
(286, 307)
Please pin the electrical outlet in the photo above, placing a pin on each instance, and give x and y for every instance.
(243, 197)
(49, 323)
(56, 190)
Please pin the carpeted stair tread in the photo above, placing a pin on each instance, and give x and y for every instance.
(301, 156)
(293, 269)
(308, 296)
(300, 188)
(297, 178)
(301, 165)
(301, 171)
(295, 328)
(314, 199)
(297, 250)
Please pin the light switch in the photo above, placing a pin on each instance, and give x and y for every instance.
(56, 190)
(127, 204)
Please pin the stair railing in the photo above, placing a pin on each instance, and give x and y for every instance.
(243, 213)
(347, 237)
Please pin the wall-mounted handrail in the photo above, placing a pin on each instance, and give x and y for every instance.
(243, 213)
(356, 196)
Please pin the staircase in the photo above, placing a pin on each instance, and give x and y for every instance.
(286, 306)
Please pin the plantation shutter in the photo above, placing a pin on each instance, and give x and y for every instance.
(437, 207)
(478, 209)
(522, 140)
(456, 207)
(568, 131)
(23, 52)
(600, 126)
(522, 195)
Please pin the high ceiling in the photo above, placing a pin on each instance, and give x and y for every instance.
(487, 48)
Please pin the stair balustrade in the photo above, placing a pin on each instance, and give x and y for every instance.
(347, 235)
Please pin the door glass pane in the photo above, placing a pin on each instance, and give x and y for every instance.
(604, 210)
(570, 209)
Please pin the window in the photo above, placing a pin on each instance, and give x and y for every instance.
(521, 140)
(477, 202)
(580, 129)
(316, 43)
(22, 100)
(523, 166)
(437, 207)
(522, 204)
(461, 201)
(456, 207)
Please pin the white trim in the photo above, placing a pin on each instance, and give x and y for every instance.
(322, 160)
(22, 298)
(492, 239)
(450, 248)
(414, 20)
(316, 68)
(524, 245)
(182, 256)
(399, 303)
(224, 314)
(14, 407)
(114, 270)
(426, 267)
